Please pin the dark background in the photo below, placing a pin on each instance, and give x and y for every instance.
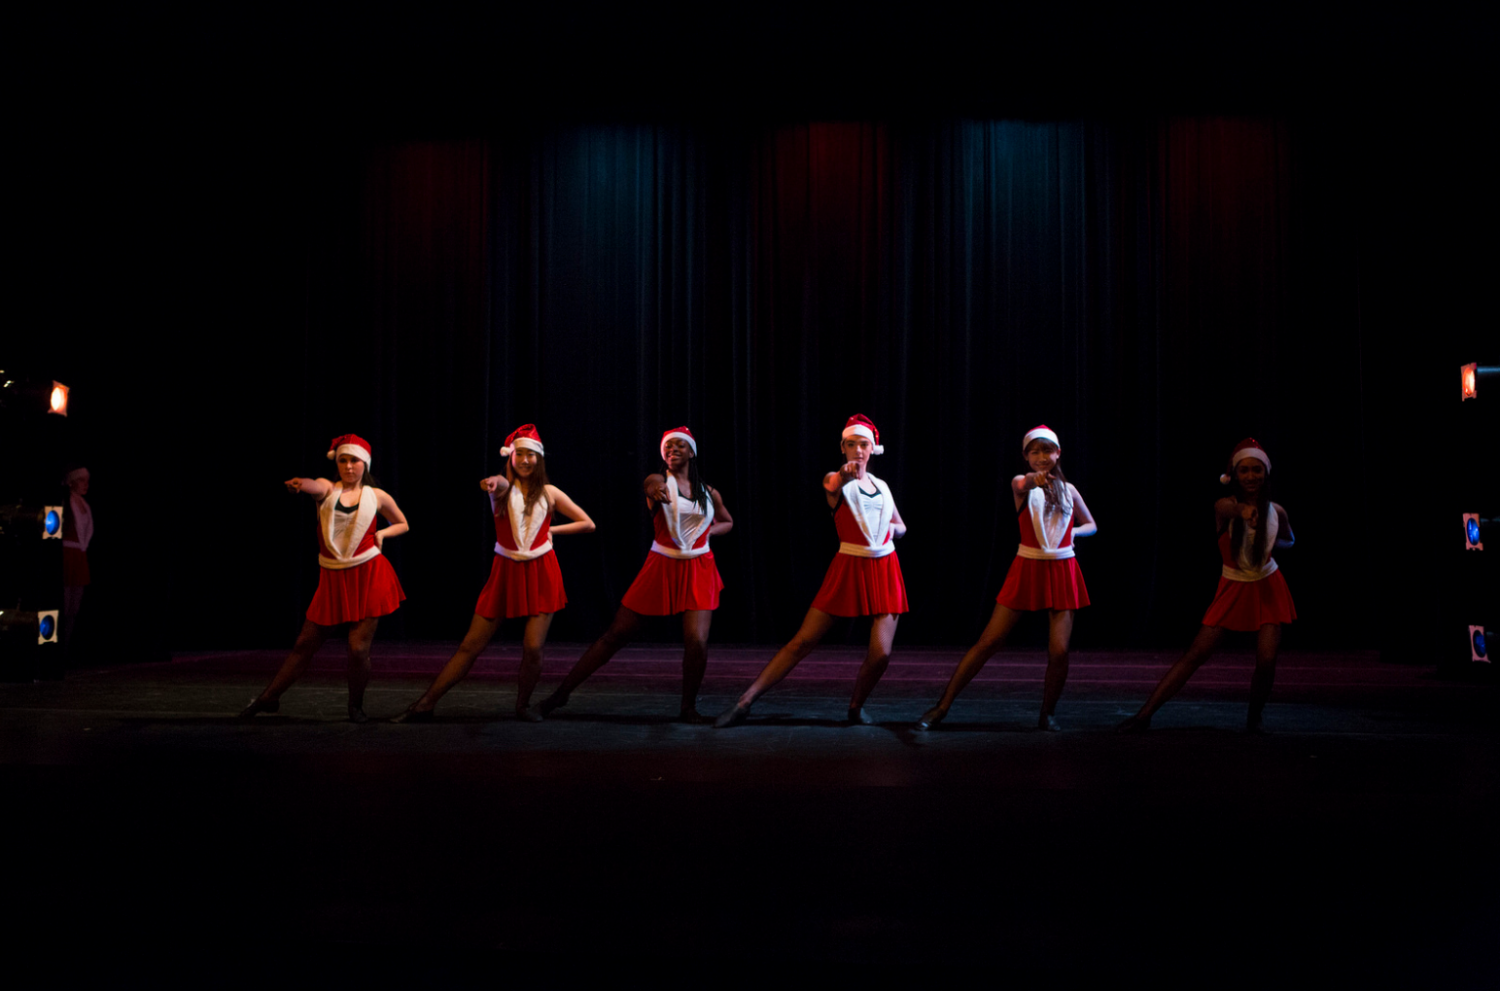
(239, 236)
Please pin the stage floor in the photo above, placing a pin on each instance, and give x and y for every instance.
(1359, 833)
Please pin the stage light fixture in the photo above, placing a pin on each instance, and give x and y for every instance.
(52, 522)
(58, 401)
(46, 626)
(1478, 649)
(1471, 532)
(1471, 380)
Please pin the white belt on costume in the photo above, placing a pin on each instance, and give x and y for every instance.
(73, 544)
(340, 563)
(861, 550)
(657, 547)
(1244, 575)
(1041, 554)
(530, 555)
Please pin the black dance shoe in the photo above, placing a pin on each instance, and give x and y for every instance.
(357, 714)
(529, 714)
(414, 716)
(1135, 724)
(1047, 724)
(259, 705)
(931, 718)
(732, 717)
(551, 704)
(857, 717)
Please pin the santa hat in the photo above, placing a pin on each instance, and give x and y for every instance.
(1247, 448)
(681, 433)
(860, 425)
(75, 475)
(1040, 432)
(524, 436)
(349, 444)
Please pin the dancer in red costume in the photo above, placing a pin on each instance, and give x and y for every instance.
(356, 585)
(679, 575)
(863, 580)
(524, 578)
(1044, 575)
(1252, 595)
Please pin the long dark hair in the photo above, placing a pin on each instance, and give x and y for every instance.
(534, 487)
(1262, 502)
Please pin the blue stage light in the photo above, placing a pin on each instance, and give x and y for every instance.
(54, 523)
(1473, 531)
(1479, 645)
(46, 626)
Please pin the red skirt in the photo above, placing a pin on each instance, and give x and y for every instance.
(862, 586)
(522, 588)
(75, 567)
(1247, 606)
(1032, 585)
(670, 585)
(349, 595)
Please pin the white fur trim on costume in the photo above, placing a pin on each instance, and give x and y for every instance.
(363, 519)
(1040, 433)
(680, 436)
(359, 452)
(1248, 575)
(1050, 524)
(684, 523)
(75, 475)
(525, 442)
(860, 430)
(83, 522)
(676, 554)
(524, 530)
(875, 531)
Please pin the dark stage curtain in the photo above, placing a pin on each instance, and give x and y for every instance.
(1153, 290)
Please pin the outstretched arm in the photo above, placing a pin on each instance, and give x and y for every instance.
(1083, 520)
(496, 486)
(655, 487)
(723, 522)
(560, 501)
(318, 488)
(834, 482)
(388, 508)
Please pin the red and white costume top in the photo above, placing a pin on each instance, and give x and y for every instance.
(1251, 593)
(679, 574)
(347, 540)
(863, 521)
(355, 581)
(681, 525)
(524, 577)
(519, 535)
(1045, 574)
(864, 578)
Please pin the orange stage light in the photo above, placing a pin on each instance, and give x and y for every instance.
(59, 401)
(1471, 380)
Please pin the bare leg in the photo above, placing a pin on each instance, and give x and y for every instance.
(480, 632)
(619, 634)
(1059, 632)
(309, 639)
(532, 644)
(814, 627)
(1002, 621)
(1267, 641)
(1200, 650)
(877, 657)
(361, 639)
(695, 623)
